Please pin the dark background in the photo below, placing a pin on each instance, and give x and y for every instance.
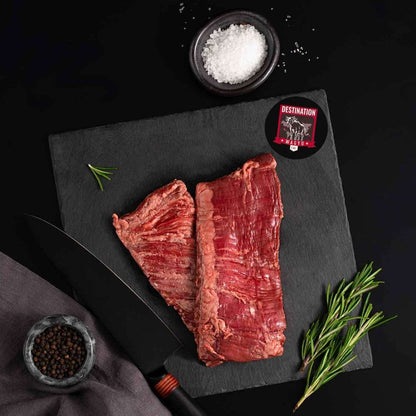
(71, 65)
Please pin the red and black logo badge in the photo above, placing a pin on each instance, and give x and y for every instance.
(296, 127)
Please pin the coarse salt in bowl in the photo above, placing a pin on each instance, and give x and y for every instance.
(234, 53)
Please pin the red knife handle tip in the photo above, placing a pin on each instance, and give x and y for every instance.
(165, 386)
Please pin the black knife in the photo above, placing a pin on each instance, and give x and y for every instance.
(142, 334)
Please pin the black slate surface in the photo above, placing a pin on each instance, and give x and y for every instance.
(316, 247)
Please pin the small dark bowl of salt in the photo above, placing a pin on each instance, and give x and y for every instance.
(234, 53)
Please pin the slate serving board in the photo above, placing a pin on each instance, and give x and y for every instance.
(316, 247)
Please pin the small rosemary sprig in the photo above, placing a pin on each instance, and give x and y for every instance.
(340, 305)
(330, 349)
(98, 171)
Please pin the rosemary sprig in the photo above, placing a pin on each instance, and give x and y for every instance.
(330, 349)
(340, 304)
(98, 171)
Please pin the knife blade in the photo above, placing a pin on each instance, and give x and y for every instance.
(142, 334)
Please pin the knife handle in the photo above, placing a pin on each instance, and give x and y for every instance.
(176, 399)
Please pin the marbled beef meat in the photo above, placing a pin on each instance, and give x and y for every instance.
(160, 236)
(239, 307)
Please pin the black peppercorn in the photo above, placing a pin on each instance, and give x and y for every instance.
(61, 350)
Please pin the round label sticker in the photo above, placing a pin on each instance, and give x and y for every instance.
(296, 127)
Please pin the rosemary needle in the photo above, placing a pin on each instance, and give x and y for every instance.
(326, 348)
(98, 171)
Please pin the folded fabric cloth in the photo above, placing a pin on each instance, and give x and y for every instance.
(114, 386)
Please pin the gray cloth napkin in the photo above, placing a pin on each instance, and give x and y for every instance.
(114, 386)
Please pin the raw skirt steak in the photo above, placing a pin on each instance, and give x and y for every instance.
(239, 310)
(160, 236)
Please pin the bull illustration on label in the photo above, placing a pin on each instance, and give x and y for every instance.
(295, 130)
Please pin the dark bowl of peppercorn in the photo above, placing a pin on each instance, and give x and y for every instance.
(59, 350)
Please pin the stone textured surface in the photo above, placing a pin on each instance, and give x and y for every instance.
(316, 247)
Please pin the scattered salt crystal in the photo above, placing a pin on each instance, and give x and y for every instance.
(235, 54)
(313, 29)
(209, 9)
(297, 44)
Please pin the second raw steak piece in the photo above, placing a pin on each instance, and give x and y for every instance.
(239, 313)
(160, 236)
